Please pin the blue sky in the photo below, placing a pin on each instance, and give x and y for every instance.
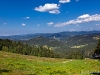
(48, 16)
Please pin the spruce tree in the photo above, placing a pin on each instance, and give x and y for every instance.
(96, 54)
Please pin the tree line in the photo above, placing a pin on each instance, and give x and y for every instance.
(25, 49)
(43, 51)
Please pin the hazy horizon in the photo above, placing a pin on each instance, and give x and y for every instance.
(46, 33)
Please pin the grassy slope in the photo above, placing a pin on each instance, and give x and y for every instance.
(16, 64)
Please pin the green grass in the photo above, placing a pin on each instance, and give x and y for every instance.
(16, 64)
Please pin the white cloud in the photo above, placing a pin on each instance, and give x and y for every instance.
(5, 23)
(64, 1)
(81, 19)
(50, 23)
(23, 24)
(54, 11)
(84, 16)
(47, 7)
(27, 17)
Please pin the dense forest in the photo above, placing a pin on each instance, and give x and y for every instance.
(69, 48)
(24, 48)
(45, 51)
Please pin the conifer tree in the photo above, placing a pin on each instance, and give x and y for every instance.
(96, 54)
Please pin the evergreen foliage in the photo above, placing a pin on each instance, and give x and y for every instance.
(25, 49)
(40, 51)
(96, 54)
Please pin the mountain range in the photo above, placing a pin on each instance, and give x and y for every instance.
(59, 35)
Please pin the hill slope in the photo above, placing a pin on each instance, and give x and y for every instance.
(15, 64)
(85, 43)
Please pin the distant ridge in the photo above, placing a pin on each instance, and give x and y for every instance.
(60, 35)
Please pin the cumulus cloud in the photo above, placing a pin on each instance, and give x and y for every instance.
(27, 17)
(50, 23)
(64, 1)
(81, 19)
(51, 8)
(23, 24)
(47, 7)
(84, 16)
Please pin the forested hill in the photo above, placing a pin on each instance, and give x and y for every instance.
(85, 43)
(44, 41)
(65, 43)
(25, 49)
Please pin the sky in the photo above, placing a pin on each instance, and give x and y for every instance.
(48, 16)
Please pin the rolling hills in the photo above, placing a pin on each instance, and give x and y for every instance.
(82, 42)
(62, 42)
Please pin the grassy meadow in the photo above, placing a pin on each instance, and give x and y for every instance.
(16, 64)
